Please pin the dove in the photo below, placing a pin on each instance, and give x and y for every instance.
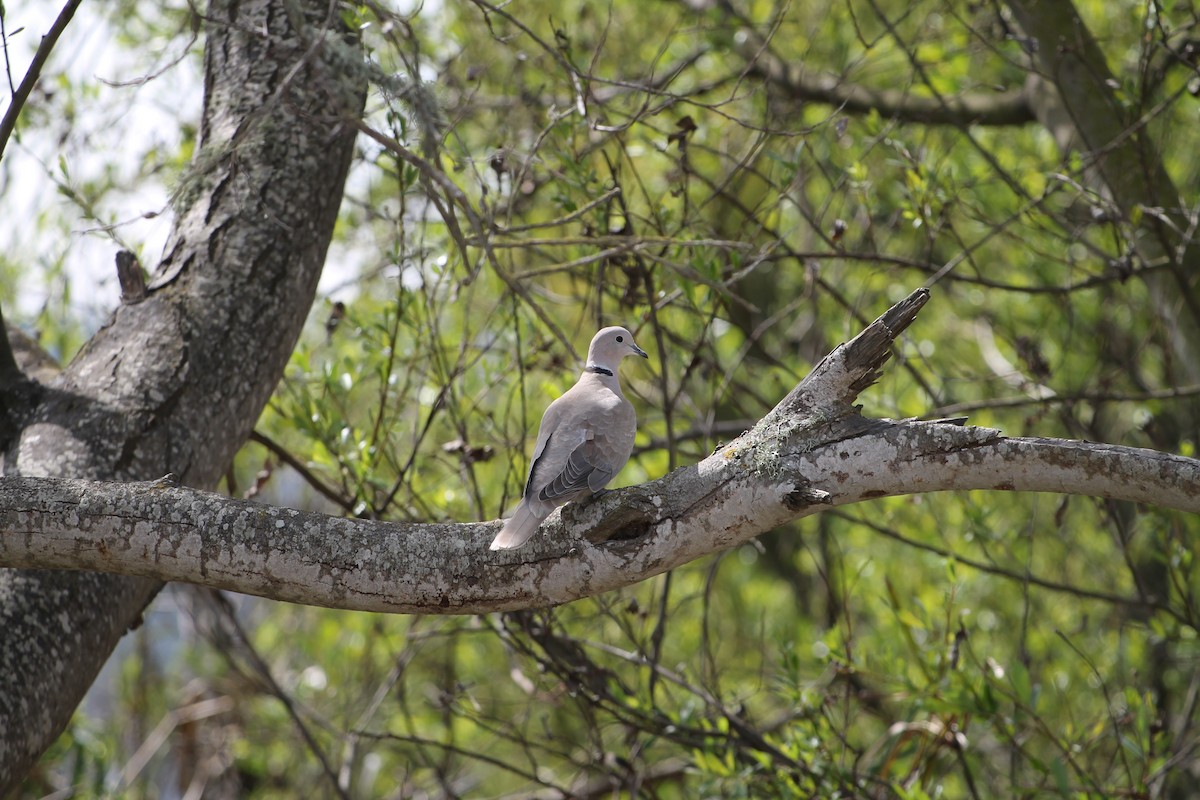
(585, 438)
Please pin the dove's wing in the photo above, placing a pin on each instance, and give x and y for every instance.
(584, 470)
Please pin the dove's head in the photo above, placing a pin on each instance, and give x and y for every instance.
(609, 346)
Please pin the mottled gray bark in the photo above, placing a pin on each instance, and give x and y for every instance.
(175, 383)
(812, 452)
(747, 488)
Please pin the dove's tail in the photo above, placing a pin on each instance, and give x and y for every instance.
(517, 530)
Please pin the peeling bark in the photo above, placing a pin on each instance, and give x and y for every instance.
(176, 382)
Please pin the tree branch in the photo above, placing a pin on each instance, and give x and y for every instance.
(18, 392)
(1076, 96)
(9, 122)
(8, 360)
(801, 83)
(812, 452)
(1010, 107)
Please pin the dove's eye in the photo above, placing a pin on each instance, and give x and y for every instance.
(620, 338)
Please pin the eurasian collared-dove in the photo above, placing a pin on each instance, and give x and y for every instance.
(585, 438)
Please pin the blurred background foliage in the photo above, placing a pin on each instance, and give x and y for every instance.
(702, 172)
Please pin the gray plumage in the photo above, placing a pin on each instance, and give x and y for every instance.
(585, 438)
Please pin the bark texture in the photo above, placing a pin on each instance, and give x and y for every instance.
(175, 383)
(626, 536)
(812, 452)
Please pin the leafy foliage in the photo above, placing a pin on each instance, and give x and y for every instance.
(539, 169)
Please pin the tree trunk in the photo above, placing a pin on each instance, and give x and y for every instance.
(1076, 98)
(175, 383)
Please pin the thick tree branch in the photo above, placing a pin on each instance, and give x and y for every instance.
(178, 534)
(812, 452)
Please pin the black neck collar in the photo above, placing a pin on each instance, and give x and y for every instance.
(597, 370)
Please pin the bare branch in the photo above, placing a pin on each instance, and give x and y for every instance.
(9, 123)
(812, 452)
(1009, 107)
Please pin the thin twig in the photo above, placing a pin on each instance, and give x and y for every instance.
(225, 609)
(311, 479)
(4, 40)
(1078, 591)
(9, 122)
